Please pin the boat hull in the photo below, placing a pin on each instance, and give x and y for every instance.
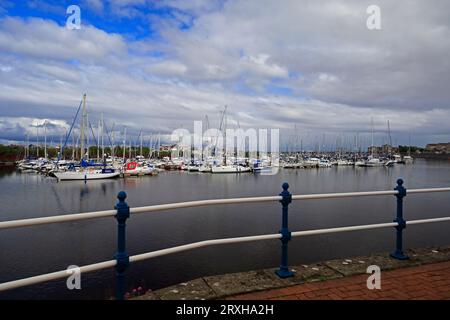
(65, 176)
(230, 169)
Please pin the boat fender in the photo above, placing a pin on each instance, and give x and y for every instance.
(131, 165)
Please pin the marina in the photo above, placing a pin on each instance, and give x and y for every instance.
(73, 170)
(83, 176)
(80, 243)
(221, 150)
(210, 158)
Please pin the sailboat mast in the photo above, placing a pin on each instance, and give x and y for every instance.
(76, 146)
(152, 147)
(37, 141)
(27, 149)
(87, 137)
(409, 145)
(45, 139)
(238, 145)
(159, 145)
(124, 142)
(73, 148)
(371, 122)
(129, 151)
(225, 137)
(389, 133)
(140, 151)
(319, 145)
(102, 136)
(113, 144)
(83, 123)
(98, 141)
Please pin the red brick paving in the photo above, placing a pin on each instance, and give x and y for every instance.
(427, 282)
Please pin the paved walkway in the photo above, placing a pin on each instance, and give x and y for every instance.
(427, 282)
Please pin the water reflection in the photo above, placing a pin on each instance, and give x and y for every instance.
(85, 188)
(6, 171)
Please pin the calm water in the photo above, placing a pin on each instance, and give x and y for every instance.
(35, 250)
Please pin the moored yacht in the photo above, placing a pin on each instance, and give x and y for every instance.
(87, 174)
(324, 163)
(374, 162)
(193, 167)
(360, 163)
(230, 169)
(205, 168)
(86, 170)
(408, 159)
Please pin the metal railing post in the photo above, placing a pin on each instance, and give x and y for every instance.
(121, 256)
(398, 254)
(284, 271)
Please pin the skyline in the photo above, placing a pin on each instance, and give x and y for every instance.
(292, 142)
(159, 66)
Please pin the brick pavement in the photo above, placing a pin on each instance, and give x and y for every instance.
(426, 282)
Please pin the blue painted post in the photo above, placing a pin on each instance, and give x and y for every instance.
(398, 254)
(284, 271)
(123, 213)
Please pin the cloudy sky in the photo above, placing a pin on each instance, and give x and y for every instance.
(159, 65)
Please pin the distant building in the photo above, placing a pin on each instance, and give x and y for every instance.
(168, 147)
(384, 149)
(438, 147)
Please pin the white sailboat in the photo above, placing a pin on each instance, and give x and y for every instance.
(193, 167)
(230, 169)
(225, 167)
(205, 168)
(324, 163)
(343, 162)
(397, 158)
(85, 173)
(312, 162)
(373, 161)
(408, 159)
(360, 163)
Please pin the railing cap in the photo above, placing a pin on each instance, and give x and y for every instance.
(122, 195)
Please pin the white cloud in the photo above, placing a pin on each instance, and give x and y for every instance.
(168, 68)
(238, 53)
(37, 38)
(21, 126)
(327, 77)
(260, 66)
(404, 61)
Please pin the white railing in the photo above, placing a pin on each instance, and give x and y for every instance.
(192, 246)
(199, 203)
